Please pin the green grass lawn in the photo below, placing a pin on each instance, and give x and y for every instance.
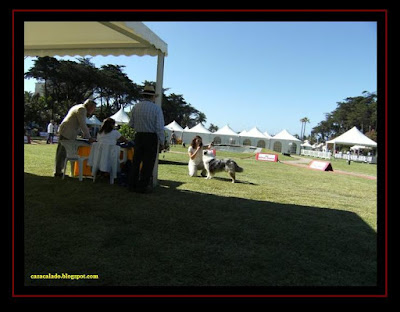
(280, 225)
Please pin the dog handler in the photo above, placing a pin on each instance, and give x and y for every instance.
(195, 152)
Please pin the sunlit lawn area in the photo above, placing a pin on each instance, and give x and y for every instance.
(280, 225)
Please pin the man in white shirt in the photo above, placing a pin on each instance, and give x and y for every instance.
(50, 132)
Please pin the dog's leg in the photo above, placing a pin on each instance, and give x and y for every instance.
(233, 177)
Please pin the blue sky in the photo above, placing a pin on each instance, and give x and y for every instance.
(264, 74)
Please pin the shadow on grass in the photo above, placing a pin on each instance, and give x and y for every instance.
(182, 238)
(171, 162)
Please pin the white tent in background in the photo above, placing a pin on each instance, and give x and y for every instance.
(243, 133)
(199, 130)
(225, 135)
(267, 135)
(94, 125)
(174, 126)
(93, 121)
(352, 137)
(120, 117)
(184, 137)
(284, 142)
(254, 137)
(306, 145)
(50, 38)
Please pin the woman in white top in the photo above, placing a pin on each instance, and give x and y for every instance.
(195, 152)
(107, 134)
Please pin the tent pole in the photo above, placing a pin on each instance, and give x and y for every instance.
(159, 85)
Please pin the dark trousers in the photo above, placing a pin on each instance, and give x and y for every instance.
(145, 152)
(50, 138)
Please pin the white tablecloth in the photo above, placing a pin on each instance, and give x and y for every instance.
(104, 157)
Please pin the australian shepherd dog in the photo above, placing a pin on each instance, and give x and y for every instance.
(213, 165)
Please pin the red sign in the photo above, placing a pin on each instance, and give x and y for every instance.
(321, 165)
(267, 157)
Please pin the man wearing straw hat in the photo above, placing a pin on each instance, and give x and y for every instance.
(148, 121)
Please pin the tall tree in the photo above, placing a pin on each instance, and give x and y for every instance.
(359, 111)
(303, 121)
(70, 82)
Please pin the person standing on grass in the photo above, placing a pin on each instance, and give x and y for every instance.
(74, 121)
(50, 132)
(173, 138)
(148, 121)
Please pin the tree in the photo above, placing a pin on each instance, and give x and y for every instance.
(213, 128)
(303, 121)
(71, 82)
(359, 111)
(200, 117)
(176, 108)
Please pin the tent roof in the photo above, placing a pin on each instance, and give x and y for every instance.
(226, 130)
(255, 133)
(284, 135)
(267, 135)
(352, 137)
(306, 144)
(199, 128)
(174, 126)
(93, 121)
(90, 38)
(120, 117)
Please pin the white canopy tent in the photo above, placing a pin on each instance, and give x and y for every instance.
(120, 117)
(267, 135)
(254, 137)
(285, 142)
(93, 121)
(352, 137)
(174, 126)
(243, 133)
(225, 135)
(199, 130)
(306, 145)
(82, 38)
(94, 125)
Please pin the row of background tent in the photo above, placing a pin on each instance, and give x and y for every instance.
(283, 142)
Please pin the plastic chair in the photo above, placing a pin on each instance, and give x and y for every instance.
(105, 157)
(71, 147)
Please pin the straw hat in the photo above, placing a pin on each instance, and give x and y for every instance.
(149, 90)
